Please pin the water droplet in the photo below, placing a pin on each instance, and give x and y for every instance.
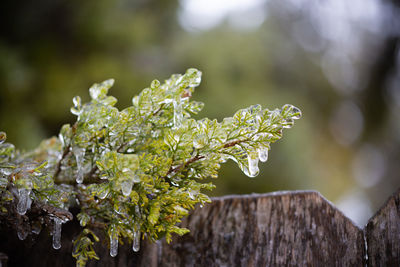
(263, 154)
(136, 241)
(24, 200)
(126, 187)
(57, 233)
(3, 137)
(253, 165)
(113, 245)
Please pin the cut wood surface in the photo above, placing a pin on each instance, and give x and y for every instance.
(278, 229)
(294, 228)
(383, 234)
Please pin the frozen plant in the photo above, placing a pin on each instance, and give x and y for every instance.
(133, 172)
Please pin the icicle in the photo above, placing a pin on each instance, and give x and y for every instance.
(79, 156)
(24, 200)
(178, 115)
(263, 154)
(126, 187)
(113, 246)
(253, 166)
(57, 233)
(136, 241)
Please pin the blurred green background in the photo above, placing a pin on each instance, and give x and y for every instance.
(337, 60)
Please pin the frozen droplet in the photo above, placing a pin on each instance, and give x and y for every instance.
(79, 153)
(155, 84)
(57, 233)
(263, 154)
(22, 234)
(103, 194)
(253, 165)
(113, 245)
(24, 200)
(136, 241)
(3, 137)
(195, 77)
(75, 111)
(126, 187)
(178, 115)
(294, 112)
(77, 102)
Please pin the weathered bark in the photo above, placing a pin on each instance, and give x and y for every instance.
(383, 234)
(277, 229)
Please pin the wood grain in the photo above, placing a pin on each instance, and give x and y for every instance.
(279, 229)
(383, 234)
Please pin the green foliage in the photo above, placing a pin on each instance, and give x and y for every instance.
(138, 171)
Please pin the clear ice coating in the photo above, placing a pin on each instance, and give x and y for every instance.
(57, 233)
(79, 156)
(136, 241)
(24, 201)
(3, 137)
(103, 194)
(253, 166)
(294, 112)
(178, 115)
(263, 154)
(196, 77)
(113, 245)
(200, 141)
(155, 84)
(126, 187)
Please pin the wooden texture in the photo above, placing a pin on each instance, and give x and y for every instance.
(295, 228)
(383, 234)
(279, 229)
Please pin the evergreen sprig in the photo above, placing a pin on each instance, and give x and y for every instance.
(133, 172)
